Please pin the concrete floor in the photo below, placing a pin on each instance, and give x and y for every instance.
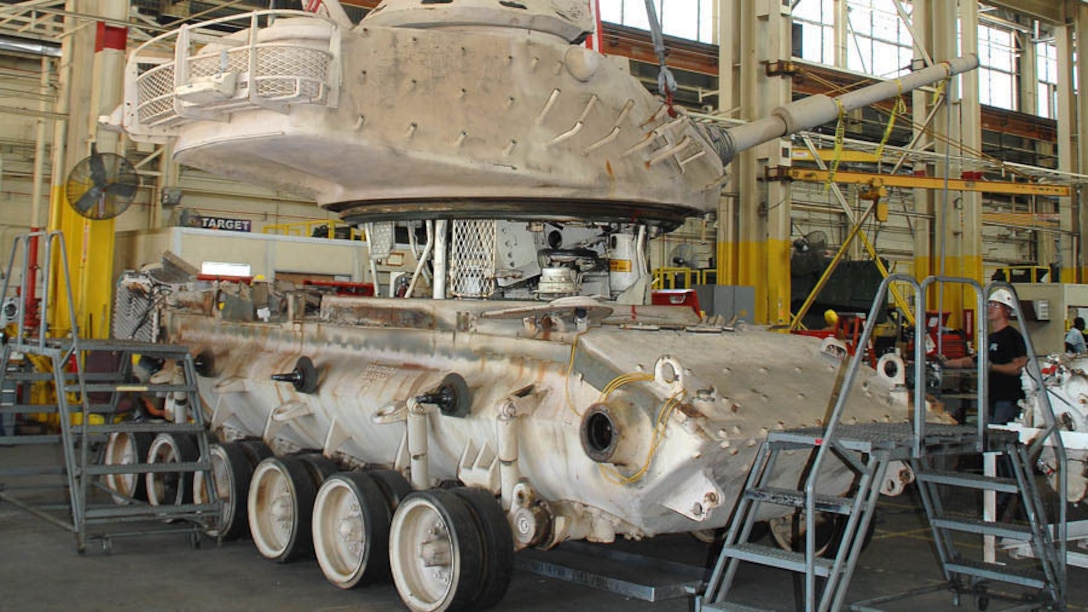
(40, 570)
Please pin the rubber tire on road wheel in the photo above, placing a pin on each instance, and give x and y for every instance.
(127, 486)
(498, 545)
(283, 485)
(233, 493)
(256, 450)
(170, 488)
(351, 510)
(828, 535)
(319, 466)
(420, 518)
(395, 486)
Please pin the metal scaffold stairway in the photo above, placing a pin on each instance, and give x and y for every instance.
(865, 452)
(1048, 575)
(91, 443)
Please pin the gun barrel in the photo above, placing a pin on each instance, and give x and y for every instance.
(819, 109)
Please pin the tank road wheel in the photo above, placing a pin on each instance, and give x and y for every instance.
(319, 466)
(351, 529)
(498, 545)
(231, 474)
(828, 529)
(127, 448)
(281, 505)
(256, 451)
(435, 552)
(395, 486)
(170, 488)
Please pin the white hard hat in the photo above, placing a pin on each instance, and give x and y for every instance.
(1002, 296)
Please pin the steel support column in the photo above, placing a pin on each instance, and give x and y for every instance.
(841, 32)
(729, 18)
(922, 104)
(764, 209)
(1076, 117)
(1066, 114)
(96, 65)
(959, 214)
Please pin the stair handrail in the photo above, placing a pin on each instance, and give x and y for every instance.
(982, 357)
(829, 439)
(1051, 430)
(28, 240)
(54, 241)
(23, 281)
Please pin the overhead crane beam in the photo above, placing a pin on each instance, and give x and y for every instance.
(1050, 11)
(811, 175)
(1048, 221)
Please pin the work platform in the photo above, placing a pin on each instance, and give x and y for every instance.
(881, 456)
(74, 390)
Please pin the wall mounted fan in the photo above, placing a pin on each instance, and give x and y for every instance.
(101, 186)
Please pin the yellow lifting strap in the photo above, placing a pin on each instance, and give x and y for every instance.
(899, 107)
(840, 137)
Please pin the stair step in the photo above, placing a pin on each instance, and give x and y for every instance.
(35, 439)
(145, 426)
(732, 606)
(1003, 573)
(134, 346)
(808, 439)
(776, 557)
(129, 387)
(147, 512)
(147, 468)
(28, 376)
(32, 470)
(52, 409)
(973, 525)
(94, 377)
(866, 437)
(67, 376)
(968, 480)
(796, 499)
(30, 409)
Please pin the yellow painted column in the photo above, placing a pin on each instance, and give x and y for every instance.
(95, 56)
(921, 103)
(727, 255)
(764, 210)
(957, 215)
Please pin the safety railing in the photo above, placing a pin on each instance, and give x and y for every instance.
(315, 229)
(212, 74)
(681, 278)
(53, 242)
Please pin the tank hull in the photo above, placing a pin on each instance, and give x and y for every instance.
(686, 419)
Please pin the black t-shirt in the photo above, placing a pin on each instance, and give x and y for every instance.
(1005, 346)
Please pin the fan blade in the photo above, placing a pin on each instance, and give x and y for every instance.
(122, 190)
(89, 200)
(98, 170)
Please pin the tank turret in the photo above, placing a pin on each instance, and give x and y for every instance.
(493, 109)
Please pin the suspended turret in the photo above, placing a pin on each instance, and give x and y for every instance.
(461, 109)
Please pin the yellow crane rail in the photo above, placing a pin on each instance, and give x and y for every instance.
(812, 175)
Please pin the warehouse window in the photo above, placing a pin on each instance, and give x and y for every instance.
(879, 42)
(997, 67)
(1047, 54)
(816, 19)
(690, 19)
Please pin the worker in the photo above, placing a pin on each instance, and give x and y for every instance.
(1007, 355)
(1074, 340)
